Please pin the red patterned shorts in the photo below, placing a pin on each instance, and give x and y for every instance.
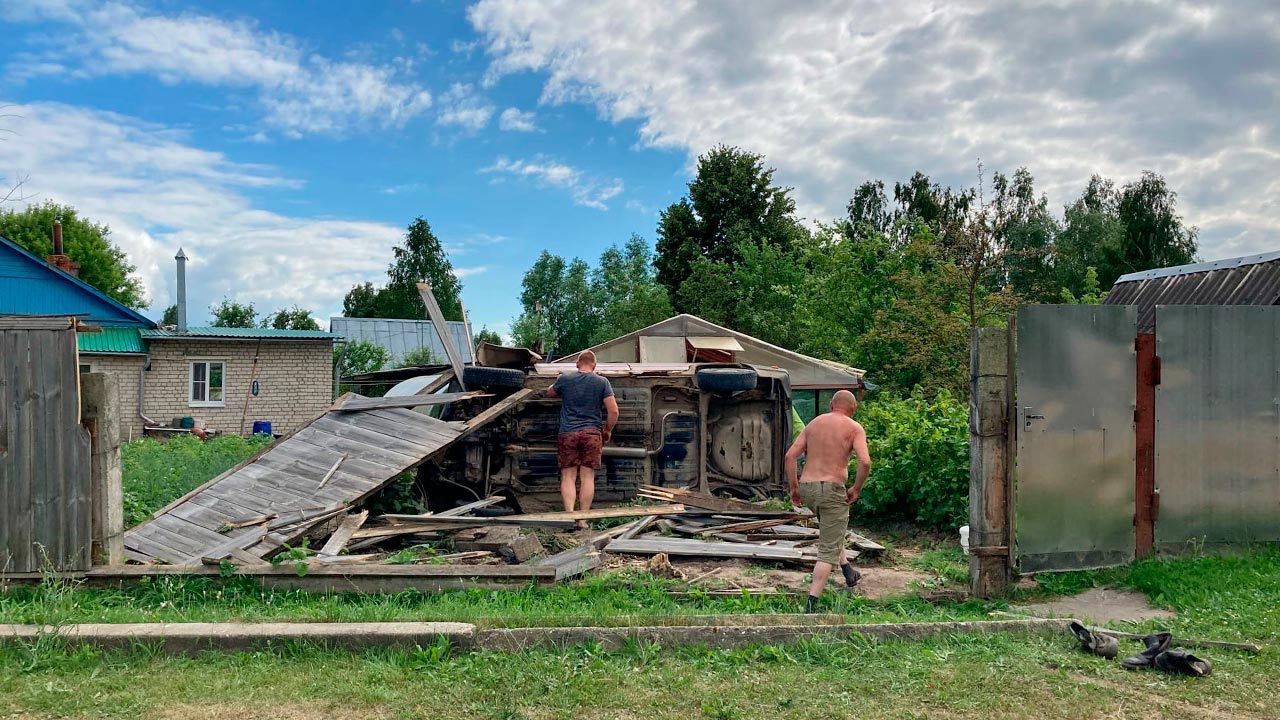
(580, 448)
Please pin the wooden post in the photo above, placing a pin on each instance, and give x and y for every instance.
(100, 413)
(1144, 416)
(989, 395)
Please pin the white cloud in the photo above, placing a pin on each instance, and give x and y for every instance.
(584, 190)
(469, 271)
(158, 193)
(402, 189)
(836, 92)
(461, 107)
(513, 120)
(300, 92)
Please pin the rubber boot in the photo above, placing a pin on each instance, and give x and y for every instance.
(1178, 660)
(851, 576)
(1096, 643)
(1156, 644)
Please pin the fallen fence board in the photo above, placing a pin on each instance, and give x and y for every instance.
(339, 577)
(356, 403)
(286, 477)
(342, 535)
(702, 548)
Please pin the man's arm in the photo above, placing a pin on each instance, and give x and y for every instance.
(611, 416)
(793, 465)
(864, 462)
(551, 391)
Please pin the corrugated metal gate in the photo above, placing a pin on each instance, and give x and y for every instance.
(1073, 491)
(1217, 425)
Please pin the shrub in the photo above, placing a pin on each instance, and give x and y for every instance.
(157, 473)
(919, 460)
(419, 356)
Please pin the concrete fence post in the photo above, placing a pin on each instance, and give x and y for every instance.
(100, 413)
(989, 459)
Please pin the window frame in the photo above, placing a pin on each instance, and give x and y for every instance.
(191, 382)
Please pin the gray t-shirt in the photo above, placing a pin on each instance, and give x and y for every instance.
(582, 400)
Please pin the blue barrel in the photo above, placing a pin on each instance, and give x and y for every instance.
(262, 426)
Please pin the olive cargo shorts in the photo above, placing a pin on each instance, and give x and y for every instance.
(829, 504)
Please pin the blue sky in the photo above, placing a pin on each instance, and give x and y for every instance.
(286, 145)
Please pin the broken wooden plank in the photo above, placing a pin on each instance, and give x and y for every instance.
(742, 527)
(635, 528)
(864, 543)
(573, 562)
(347, 577)
(356, 403)
(248, 522)
(693, 498)
(332, 470)
(552, 517)
(702, 548)
(340, 537)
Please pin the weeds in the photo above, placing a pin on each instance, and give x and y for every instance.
(156, 473)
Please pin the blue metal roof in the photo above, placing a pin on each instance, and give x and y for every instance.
(230, 333)
(28, 286)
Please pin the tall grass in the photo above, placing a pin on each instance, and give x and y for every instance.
(156, 473)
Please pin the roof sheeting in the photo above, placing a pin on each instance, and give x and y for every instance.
(1252, 280)
(29, 286)
(805, 371)
(230, 333)
(399, 337)
(114, 340)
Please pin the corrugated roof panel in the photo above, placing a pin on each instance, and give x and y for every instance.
(398, 336)
(111, 340)
(1253, 280)
(238, 333)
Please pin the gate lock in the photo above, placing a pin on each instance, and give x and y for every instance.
(1027, 417)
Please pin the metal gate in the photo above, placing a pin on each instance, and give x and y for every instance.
(1073, 495)
(1217, 425)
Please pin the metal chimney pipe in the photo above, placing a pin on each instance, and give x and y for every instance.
(57, 238)
(181, 257)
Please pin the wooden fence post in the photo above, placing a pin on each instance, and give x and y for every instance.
(100, 413)
(989, 390)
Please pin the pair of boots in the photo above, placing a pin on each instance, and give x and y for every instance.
(1157, 654)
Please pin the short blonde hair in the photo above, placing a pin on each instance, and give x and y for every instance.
(586, 358)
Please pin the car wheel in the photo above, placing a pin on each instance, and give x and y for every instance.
(726, 379)
(487, 377)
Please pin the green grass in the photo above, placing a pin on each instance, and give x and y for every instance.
(156, 473)
(1219, 597)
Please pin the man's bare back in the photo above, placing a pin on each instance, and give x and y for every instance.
(829, 444)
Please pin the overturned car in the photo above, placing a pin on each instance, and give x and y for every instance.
(722, 428)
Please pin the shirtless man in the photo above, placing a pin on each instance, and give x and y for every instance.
(827, 444)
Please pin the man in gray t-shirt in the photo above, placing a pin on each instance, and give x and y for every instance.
(588, 412)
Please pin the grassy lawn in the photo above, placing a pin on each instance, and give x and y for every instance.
(155, 473)
(1227, 598)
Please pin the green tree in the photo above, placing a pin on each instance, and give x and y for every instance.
(421, 258)
(360, 357)
(563, 291)
(1092, 295)
(294, 318)
(732, 205)
(170, 316)
(232, 314)
(1154, 234)
(419, 356)
(102, 263)
(627, 291)
(1027, 231)
(1090, 227)
(487, 335)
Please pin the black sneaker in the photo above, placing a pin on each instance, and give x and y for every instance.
(1178, 660)
(1156, 644)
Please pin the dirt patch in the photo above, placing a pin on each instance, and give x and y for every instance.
(275, 711)
(1099, 605)
(876, 583)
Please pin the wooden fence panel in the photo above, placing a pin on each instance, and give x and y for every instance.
(44, 452)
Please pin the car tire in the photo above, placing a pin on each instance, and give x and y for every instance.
(486, 377)
(726, 379)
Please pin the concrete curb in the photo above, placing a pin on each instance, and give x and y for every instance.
(723, 636)
(184, 638)
(188, 638)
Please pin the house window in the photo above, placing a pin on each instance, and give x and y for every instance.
(206, 383)
(85, 368)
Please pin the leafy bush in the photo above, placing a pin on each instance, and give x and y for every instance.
(157, 473)
(919, 460)
(419, 356)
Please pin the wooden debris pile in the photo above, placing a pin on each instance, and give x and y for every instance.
(678, 524)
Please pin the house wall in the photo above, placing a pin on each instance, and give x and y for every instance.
(295, 382)
(125, 369)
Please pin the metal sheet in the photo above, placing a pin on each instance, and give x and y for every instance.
(1217, 425)
(1076, 389)
(661, 349)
